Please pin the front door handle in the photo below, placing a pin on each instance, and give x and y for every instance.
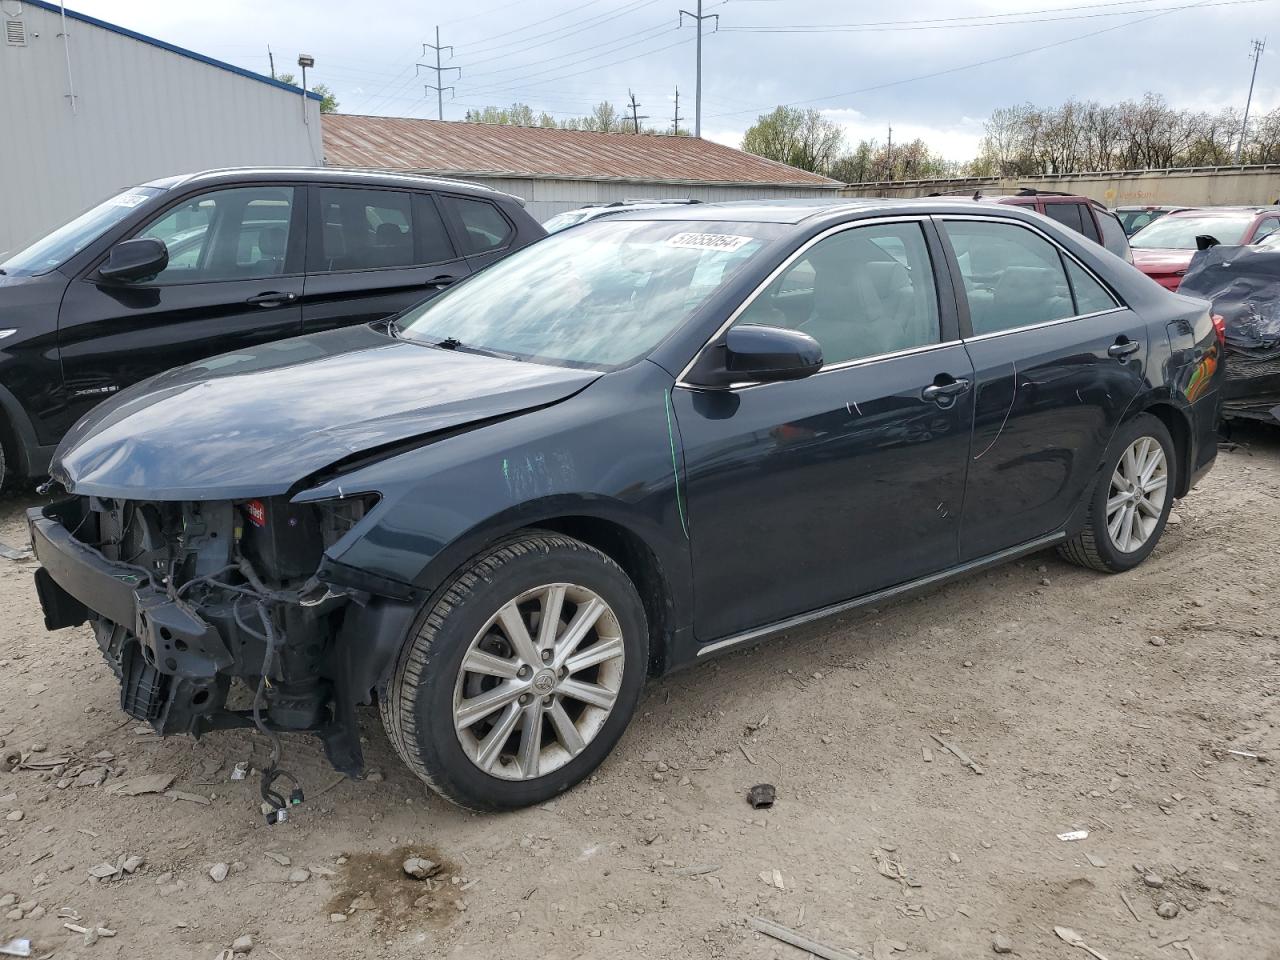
(944, 394)
(272, 298)
(1123, 348)
(441, 281)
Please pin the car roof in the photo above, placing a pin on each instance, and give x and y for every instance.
(799, 210)
(326, 175)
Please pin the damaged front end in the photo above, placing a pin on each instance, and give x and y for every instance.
(187, 598)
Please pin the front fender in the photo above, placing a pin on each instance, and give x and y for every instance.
(607, 454)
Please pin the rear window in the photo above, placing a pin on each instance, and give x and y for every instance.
(1067, 214)
(484, 228)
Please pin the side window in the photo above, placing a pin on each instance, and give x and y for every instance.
(1265, 229)
(1113, 236)
(860, 293)
(484, 228)
(1091, 296)
(235, 234)
(1012, 276)
(434, 245)
(364, 229)
(1067, 214)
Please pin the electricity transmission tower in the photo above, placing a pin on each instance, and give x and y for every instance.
(439, 72)
(636, 117)
(697, 95)
(675, 123)
(1258, 47)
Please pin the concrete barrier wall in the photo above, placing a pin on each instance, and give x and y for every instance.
(1192, 186)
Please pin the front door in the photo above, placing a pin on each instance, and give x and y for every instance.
(803, 494)
(1057, 361)
(234, 279)
(374, 253)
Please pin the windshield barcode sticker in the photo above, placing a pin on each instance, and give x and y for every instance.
(708, 241)
(129, 200)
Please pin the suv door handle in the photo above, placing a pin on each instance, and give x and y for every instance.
(272, 298)
(1123, 348)
(944, 393)
(441, 281)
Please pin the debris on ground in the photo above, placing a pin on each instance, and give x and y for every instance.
(762, 796)
(801, 942)
(15, 553)
(138, 786)
(1070, 937)
(17, 947)
(959, 754)
(420, 868)
(1001, 944)
(1071, 835)
(1168, 909)
(218, 872)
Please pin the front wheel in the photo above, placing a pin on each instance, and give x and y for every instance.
(519, 679)
(1131, 501)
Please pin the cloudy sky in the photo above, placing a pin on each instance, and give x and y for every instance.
(931, 68)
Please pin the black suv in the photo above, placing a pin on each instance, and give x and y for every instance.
(184, 268)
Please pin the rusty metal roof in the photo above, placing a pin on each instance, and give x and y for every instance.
(453, 148)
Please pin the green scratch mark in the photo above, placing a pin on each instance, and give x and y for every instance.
(675, 466)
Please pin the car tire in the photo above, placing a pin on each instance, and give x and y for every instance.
(463, 655)
(1125, 520)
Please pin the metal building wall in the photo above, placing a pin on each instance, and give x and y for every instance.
(140, 112)
(545, 197)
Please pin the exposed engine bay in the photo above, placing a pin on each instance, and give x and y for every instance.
(219, 592)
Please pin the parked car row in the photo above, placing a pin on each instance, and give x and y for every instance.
(625, 448)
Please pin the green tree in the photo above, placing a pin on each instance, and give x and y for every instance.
(328, 101)
(801, 138)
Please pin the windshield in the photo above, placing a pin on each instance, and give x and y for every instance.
(55, 249)
(566, 219)
(601, 295)
(1179, 233)
(1273, 240)
(1135, 220)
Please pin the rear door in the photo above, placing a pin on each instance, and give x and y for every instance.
(234, 279)
(373, 253)
(1057, 360)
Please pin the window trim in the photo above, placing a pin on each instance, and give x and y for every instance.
(962, 295)
(298, 219)
(939, 273)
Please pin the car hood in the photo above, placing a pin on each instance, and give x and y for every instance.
(254, 423)
(1161, 260)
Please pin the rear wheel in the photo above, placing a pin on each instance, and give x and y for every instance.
(1131, 501)
(521, 677)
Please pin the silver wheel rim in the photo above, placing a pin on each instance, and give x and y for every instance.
(538, 682)
(1139, 486)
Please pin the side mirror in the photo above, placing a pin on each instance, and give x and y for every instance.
(758, 354)
(1204, 241)
(135, 260)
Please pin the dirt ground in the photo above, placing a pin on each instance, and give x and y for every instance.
(1091, 703)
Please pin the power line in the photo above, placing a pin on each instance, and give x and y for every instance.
(945, 21)
(487, 46)
(440, 71)
(1000, 59)
(697, 94)
(1258, 47)
(632, 38)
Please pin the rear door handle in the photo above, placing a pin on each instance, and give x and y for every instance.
(272, 298)
(1123, 348)
(944, 393)
(441, 281)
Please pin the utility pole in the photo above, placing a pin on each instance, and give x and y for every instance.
(1258, 47)
(439, 71)
(697, 95)
(888, 154)
(636, 117)
(675, 124)
(271, 58)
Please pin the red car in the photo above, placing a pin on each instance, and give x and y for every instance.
(1163, 249)
(1079, 213)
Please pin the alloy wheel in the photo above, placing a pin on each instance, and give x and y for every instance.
(538, 681)
(1139, 486)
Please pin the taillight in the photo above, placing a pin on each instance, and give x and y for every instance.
(1220, 328)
